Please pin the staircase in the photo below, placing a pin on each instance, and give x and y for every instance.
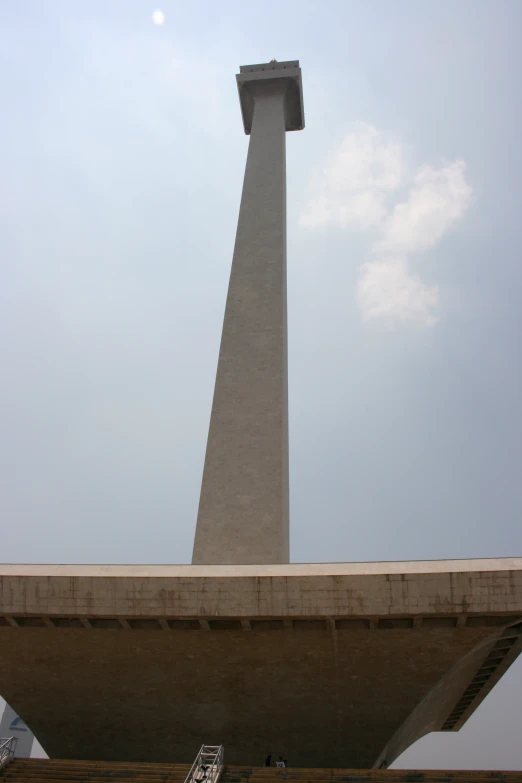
(303, 775)
(65, 771)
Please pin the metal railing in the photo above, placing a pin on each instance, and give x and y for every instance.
(7, 749)
(208, 766)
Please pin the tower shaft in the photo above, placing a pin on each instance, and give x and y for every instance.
(243, 510)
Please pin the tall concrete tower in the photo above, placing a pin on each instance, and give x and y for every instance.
(243, 509)
(333, 664)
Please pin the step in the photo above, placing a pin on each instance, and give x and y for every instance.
(367, 775)
(408, 776)
(344, 774)
(128, 778)
(111, 771)
(103, 764)
(98, 775)
(504, 777)
(96, 771)
(94, 778)
(60, 763)
(426, 776)
(100, 772)
(119, 777)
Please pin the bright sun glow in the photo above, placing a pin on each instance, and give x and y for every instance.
(158, 17)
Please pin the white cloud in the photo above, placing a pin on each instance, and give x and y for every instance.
(388, 291)
(436, 200)
(356, 187)
(354, 184)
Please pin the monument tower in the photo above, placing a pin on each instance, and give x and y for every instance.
(243, 510)
(334, 664)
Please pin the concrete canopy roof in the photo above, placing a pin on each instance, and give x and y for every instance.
(337, 664)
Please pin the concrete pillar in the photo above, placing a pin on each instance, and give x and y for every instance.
(243, 510)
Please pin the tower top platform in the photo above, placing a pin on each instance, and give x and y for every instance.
(287, 74)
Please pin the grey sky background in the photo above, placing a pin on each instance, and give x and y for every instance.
(122, 157)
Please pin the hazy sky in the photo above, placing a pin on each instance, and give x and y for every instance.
(122, 156)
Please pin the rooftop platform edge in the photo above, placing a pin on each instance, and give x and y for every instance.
(247, 571)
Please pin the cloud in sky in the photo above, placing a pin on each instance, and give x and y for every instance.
(357, 187)
(353, 185)
(437, 198)
(389, 291)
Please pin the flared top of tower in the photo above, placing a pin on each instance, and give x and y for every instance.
(287, 74)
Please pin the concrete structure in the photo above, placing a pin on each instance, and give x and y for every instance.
(243, 510)
(11, 725)
(339, 665)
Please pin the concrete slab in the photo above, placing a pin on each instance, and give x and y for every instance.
(337, 664)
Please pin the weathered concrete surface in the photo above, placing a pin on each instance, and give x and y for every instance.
(339, 664)
(243, 508)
